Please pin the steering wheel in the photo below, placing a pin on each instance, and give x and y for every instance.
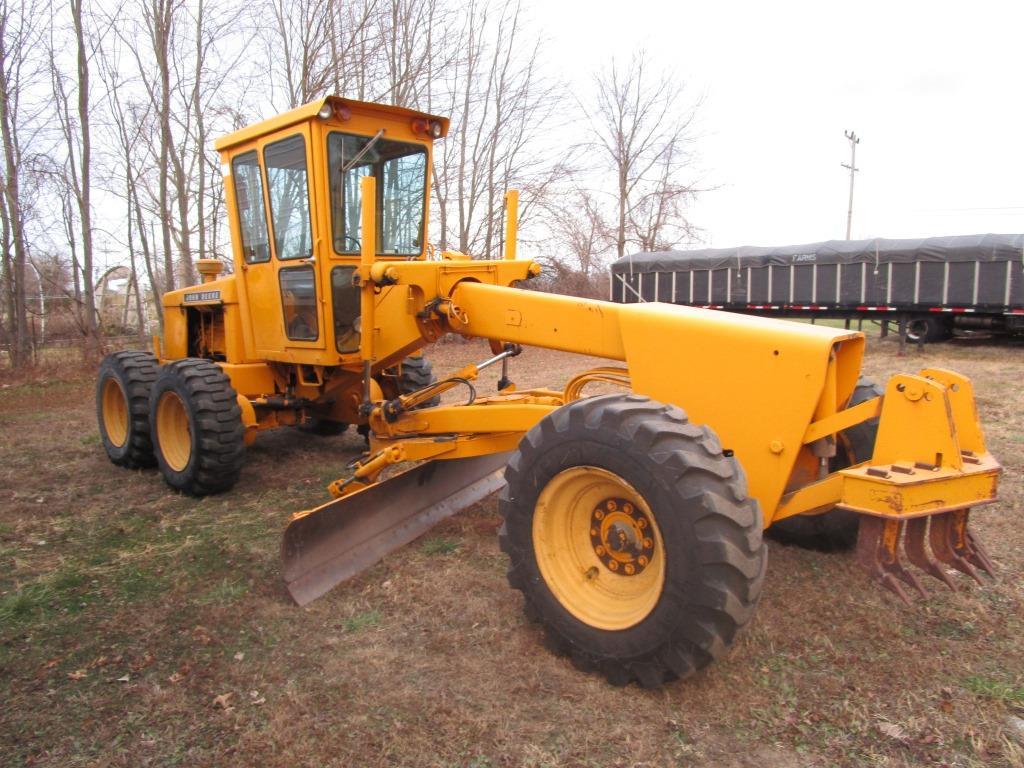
(348, 238)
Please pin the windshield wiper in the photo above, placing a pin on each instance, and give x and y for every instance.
(359, 155)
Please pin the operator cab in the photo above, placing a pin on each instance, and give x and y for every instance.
(293, 192)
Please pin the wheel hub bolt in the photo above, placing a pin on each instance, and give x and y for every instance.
(620, 534)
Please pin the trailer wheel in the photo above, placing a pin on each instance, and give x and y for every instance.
(835, 530)
(929, 328)
(122, 407)
(197, 427)
(631, 536)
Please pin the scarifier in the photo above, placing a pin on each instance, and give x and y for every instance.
(633, 521)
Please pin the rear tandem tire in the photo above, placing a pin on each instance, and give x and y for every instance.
(197, 430)
(673, 602)
(315, 425)
(836, 530)
(122, 407)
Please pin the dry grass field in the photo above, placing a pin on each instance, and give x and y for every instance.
(142, 628)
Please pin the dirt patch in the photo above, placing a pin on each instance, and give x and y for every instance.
(139, 627)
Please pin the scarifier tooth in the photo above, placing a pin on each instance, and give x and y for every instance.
(966, 545)
(890, 552)
(894, 586)
(942, 537)
(980, 556)
(917, 553)
(873, 555)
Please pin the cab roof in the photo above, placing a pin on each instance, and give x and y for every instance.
(310, 110)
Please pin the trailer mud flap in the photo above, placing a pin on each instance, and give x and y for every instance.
(325, 546)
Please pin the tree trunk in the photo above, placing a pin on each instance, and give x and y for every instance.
(90, 326)
(162, 20)
(21, 343)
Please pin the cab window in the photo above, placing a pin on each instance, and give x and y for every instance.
(345, 297)
(252, 214)
(401, 171)
(288, 185)
(298, 299)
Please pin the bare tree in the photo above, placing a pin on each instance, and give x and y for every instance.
(579, 230)
(657, 219)
(197, 93)
(156, 29)
(127, 129)
(75, 176)
(499, 103)
(297, 46)
(20, 38)
(176, 107)
(409, 29)
(642, 126)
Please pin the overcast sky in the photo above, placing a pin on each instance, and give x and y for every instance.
(933, 90)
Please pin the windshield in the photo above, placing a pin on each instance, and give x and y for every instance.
(401, 172)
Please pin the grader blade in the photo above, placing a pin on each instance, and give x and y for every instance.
(952, 544)
(327, 545)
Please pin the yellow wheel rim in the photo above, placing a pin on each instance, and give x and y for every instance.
(173, 432)
(599, 548)
(115, 412)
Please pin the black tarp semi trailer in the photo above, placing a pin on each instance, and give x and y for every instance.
(933, 284)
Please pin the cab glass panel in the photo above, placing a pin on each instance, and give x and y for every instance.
(401, 172)
(288, 183)
(252, 213)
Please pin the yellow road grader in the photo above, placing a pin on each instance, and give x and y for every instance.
(633, 521)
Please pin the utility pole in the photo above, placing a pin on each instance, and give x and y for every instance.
(854, 141)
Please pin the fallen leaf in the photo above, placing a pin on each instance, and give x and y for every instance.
(892, 730)
(222, 700)
(1015, 725)
(175, 678)
(202, 635)
(124, 679)
(78, 674)
(239, 656)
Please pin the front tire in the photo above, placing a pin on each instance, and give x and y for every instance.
(197, 429)
(122, 407)
(631, 536)
(416, 373)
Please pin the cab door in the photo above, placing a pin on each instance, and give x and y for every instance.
(278, 246)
